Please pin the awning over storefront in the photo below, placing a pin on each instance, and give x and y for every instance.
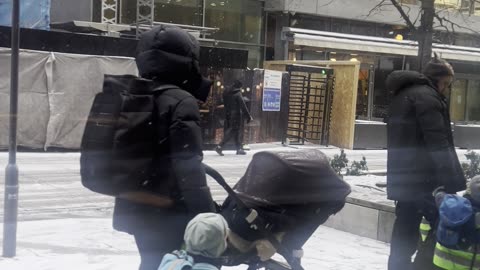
(338, 41)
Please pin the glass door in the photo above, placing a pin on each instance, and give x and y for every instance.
(365, 92)
(473, 101)
(465, 100)
(458, 99)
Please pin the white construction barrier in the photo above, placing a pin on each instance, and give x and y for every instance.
(55, 95)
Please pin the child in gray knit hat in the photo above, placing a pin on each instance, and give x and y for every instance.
(205, 241)
(206, 235)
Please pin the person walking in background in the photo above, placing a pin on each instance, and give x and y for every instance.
(421, 157)
(169, 57)
(236, 112)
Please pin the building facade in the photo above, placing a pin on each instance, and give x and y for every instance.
(240, 24)
(380, 40)
(337, 30)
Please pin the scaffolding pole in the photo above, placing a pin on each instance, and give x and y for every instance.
(11, 172)
(145, 15)
(110, 11)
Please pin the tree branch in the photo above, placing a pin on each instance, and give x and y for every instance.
(376, 7)
(404, 15)
(327, 4)
(442, 25)
(453, 24)
(417, 18)
(441, 20)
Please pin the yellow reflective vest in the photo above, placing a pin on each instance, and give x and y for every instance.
(424, 229)
(451, 259)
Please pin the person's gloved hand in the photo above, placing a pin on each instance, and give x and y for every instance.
(265, 250)
(439, 193)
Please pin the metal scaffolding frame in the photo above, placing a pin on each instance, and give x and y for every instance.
(145, 15)
(145, 20)
(110, 11)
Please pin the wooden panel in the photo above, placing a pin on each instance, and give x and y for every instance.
(342, 128)
(458, 100)
(342, 125)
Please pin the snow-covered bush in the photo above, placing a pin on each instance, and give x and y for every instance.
(340, 163)
(472, 168)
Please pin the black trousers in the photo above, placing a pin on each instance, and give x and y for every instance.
(158, 234)
(233, 129)
(406, 235)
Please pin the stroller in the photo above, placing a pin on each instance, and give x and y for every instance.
(281, 200)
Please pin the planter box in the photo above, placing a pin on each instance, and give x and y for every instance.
(467, 136)
(370, 135)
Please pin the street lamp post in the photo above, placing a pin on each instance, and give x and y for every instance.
(11, 173)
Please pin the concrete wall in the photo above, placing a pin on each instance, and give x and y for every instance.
(370, 135)
(467, 136)
(359, 10)
(71, 10)
(365, 219)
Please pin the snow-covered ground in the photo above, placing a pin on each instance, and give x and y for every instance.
(65, 226)
(364, 187)
(91, 244)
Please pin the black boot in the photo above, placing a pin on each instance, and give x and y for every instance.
(218, 149)
(241, 152)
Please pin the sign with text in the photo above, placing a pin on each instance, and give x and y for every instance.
(272, 91)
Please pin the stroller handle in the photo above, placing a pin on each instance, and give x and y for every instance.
(222, 182)
(253, 216)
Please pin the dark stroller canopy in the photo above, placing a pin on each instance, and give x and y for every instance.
(291, 178)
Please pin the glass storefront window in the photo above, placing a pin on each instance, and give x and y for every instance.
(458, 100)
(382, 97)
(464, 100)
(255, 53)
(473, 101)
(362, 96)
(187, 12)
(239, 21)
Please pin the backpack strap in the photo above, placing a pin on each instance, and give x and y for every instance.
(178, 260)
(165, 87)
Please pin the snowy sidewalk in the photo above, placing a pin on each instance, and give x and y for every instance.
(92, 244)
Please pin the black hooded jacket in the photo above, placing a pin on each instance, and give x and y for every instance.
(169, 56)
(236, 110)
(421, 152)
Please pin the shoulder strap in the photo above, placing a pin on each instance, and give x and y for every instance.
(178, 260)
(204, 266)
(162, 88)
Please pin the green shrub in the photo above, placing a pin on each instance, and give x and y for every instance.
(339, 162)
(358, 168)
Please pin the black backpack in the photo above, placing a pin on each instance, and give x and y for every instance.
(119, 140)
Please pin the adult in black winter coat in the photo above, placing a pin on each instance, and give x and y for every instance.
(421, 156)
(236, 112)
(169, 56)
